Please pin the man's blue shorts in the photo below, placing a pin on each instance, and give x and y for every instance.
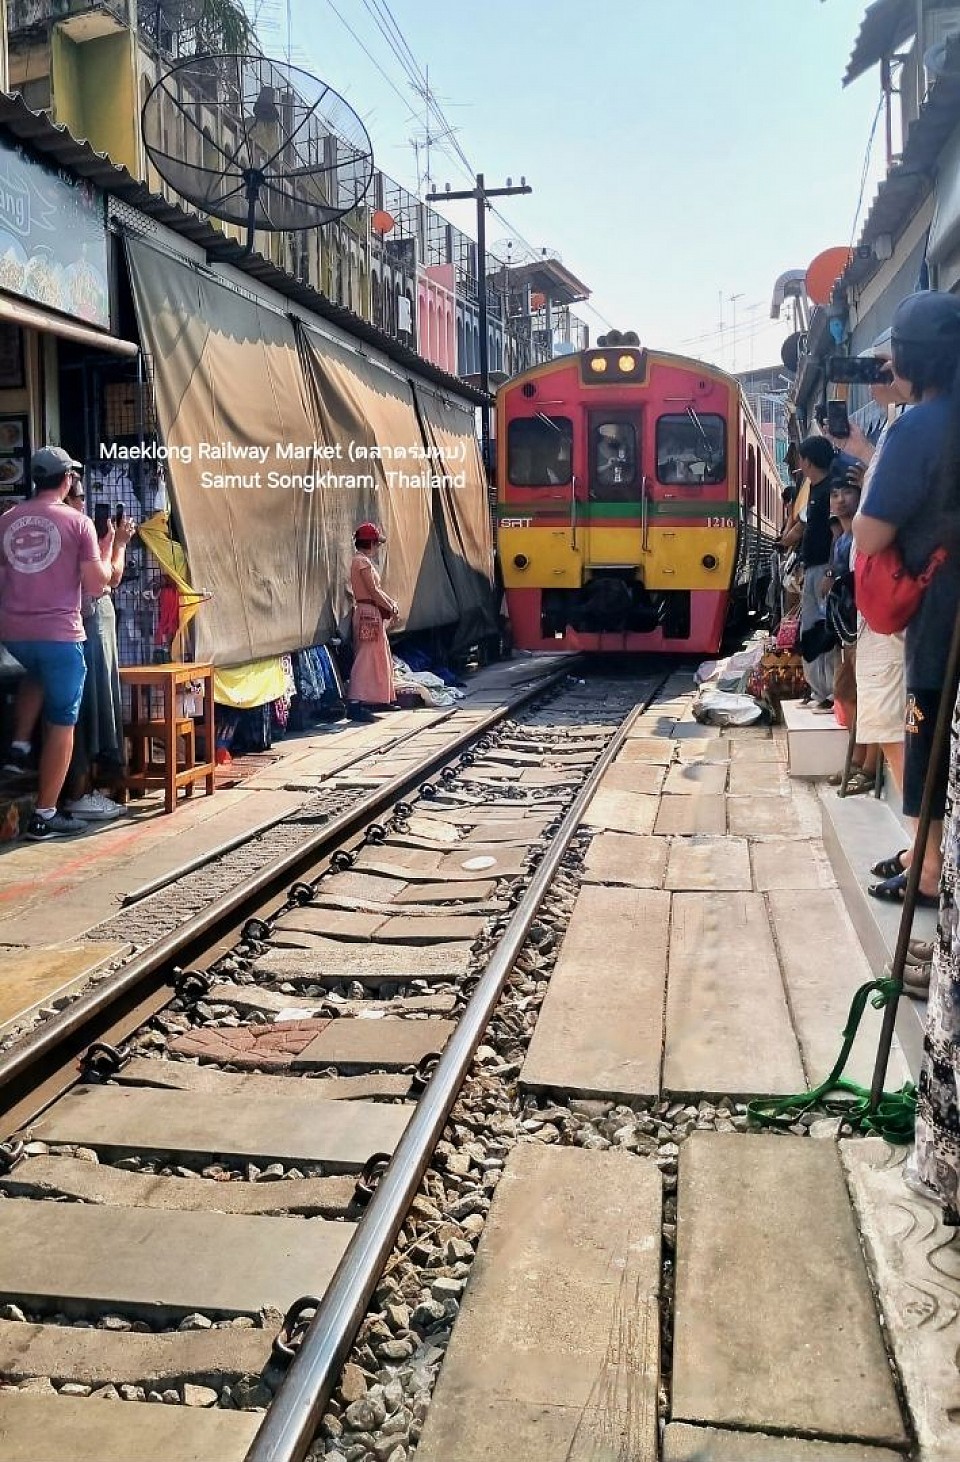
(59, 666)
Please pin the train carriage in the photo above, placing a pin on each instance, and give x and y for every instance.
(637, 502)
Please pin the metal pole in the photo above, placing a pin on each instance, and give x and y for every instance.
(938, 750)
(289, 1426)
(484, 326)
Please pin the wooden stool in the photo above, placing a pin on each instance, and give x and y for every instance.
(163, 727)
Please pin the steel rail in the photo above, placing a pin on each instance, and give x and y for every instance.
(65, 1035)
(291, 1422)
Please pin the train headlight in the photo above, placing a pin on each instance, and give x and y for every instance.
(520, 561)
(626, 364)
(598, 364)
(709, 560)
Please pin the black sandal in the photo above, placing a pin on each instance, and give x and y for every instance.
(890, 867)
(892, 890)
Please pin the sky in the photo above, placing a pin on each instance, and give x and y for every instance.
(683, 153)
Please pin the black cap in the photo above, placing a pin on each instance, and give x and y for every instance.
(927, 318)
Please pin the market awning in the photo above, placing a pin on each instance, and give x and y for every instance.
(35, 317)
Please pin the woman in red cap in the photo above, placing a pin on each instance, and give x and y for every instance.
(371, 680)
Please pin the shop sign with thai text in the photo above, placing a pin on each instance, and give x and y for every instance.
(53, 238)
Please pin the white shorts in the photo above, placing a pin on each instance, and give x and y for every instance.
(881, 687)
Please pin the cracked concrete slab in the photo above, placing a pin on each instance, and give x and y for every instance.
(769, 1334)
(556, 1344)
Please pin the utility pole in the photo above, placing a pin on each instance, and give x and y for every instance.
(481, 194)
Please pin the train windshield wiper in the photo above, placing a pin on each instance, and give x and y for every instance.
(707, 444)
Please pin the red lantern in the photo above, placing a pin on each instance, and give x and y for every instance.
(537, 301)
(383, 222)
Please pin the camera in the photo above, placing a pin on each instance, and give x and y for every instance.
(859, 370)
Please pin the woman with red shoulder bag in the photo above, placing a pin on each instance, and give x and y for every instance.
(902, 510)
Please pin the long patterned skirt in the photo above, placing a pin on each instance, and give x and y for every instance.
(938, 1116)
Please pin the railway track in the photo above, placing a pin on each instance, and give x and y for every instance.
(202, 1219)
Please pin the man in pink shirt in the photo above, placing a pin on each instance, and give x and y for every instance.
(48, 553)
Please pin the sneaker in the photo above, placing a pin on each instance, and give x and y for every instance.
(95, 807)
(18, 762)
(60, 825)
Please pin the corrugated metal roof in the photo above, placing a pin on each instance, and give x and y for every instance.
(885, 26)
(912, 178)
(54, 141)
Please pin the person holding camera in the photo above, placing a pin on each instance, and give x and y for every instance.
(98, 743)
(816, 455)
(48, 554)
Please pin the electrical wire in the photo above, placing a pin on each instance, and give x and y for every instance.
(866, 168)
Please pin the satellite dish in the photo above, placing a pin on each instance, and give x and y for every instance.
(257, 142)
(790, 351)
(824, 272)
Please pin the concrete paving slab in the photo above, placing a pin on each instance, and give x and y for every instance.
(45, 1177)
(757, 751)
(498, 829)
(427, 929)
(715, 753)
(413, 865)
(700, 863)
(116, 1120)
(386, 907)
(656, 751)
(791, 865)
(445, 893)
(708, 1444)
(362, 886)
(697, 779)
(775, 1326)
(331, 923)
(775, 818)
(160, 1266)
(621, 812)
(386, 1044)
(37, 1428)
(556, 1345)
(702, 813)
(693, 731)
(251, 1000)
(634, 776)
(103, 1357)
(324, 961)
(622, 858)
(600, 1030)
(33, 977)
(758, 778)
(551, 777)
(183, 1076)
(823, 967)
(916, 1267)
(728, 1026)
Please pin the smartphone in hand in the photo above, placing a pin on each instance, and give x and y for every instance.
(838, 422)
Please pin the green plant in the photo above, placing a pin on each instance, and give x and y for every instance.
(225, 26)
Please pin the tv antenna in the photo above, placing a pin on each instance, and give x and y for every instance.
(265, 144)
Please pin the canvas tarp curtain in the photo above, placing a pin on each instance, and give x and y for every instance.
(364, 407)
(462, 513)
(227, 371)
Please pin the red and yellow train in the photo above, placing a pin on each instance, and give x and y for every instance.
(637, 502)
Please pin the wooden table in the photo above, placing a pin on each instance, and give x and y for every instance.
(154, 720)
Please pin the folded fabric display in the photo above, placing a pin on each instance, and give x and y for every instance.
(430, 689)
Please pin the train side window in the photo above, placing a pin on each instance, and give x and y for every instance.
(691, 449)
(540, 451)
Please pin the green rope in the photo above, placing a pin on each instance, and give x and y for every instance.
(896, 1111)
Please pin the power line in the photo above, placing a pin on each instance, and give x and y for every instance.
(866, 168)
